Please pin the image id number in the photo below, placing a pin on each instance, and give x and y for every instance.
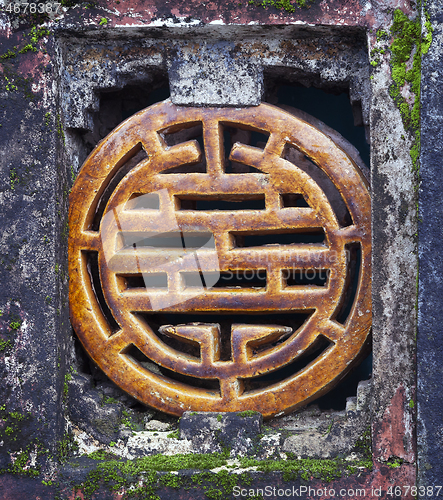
(420, 491)
(33, 8)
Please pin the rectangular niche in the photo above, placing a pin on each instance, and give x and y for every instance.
(332, 93)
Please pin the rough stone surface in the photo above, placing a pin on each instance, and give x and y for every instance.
(373, 484)
(156, 425)
(44, 136)
(34, 325)
(394, 272)
(89, 66)
(212, 76)
(86, 69)
(87, 410)
(430, 292)
(328, 434)
(211, 432)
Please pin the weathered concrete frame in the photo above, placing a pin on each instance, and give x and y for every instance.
(394, 219)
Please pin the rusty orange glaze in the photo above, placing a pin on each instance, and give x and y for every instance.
(214, 243)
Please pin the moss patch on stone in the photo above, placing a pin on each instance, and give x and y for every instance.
(12, 80)
(174, 434)
(21, 460)
(20, 465)
(143, 477)
(285, 5)
(5, 345)
(65, 447)
(410, 42)
(248, 413)
(10, 424)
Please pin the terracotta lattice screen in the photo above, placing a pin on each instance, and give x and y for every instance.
(220, 259)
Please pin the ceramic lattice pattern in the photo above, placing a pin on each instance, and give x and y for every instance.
(219, 259)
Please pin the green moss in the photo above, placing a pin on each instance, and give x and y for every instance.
(10, 434)
(381, 35)
(411, 403)
(219, 418)
(103, 21)
(427, 37)
(60, 131)
(68, 377)
(15, 325)
(408, 45)
(285, 5)
(141, 478)
(10, 87)
(13, 80)
(399, 74)
(65, 229)
(8, 55)
(324, 469)
(248, 413)
(175, 434)
(27, 48)
(65, 447)
(219, 485)
(102, 455)
(129, 421)
(21, 464)
(68, 3)
(109, 400)
(410, 42)
(328, 430)
(394, 462)
(17, 416)
(13, 178)
(119, 474)
(364, 442)
(38, 32)
(5, 344)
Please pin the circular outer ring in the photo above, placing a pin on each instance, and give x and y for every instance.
(349, 341)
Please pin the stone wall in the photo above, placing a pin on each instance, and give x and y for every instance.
(64, 86)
